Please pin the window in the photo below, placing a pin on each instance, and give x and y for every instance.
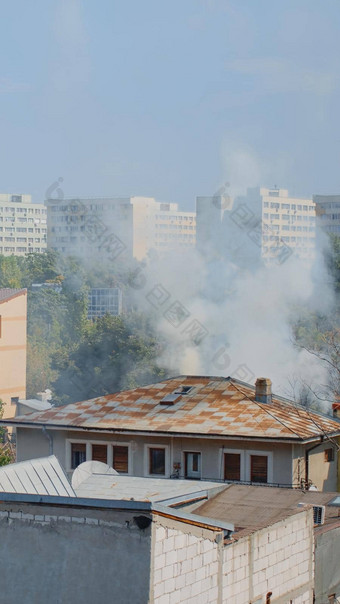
(232, 466)
(157, 461)
(99, 453)
(78, 454)
(258, 468)
(329, 454)
(120, 459)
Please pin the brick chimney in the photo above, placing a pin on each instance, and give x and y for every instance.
(263, 390)
(336, 407)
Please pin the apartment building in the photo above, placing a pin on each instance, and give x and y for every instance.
(128, 227)
(284, 222)
(328, 213)
(23, 225)
(13, 326)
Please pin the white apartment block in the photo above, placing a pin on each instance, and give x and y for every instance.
(328, 213)
(285, 221)
(122, 225)
(23, 225)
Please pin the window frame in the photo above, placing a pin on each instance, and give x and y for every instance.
(90, 443)
(147, 448)
(269, 455)
(240, 452)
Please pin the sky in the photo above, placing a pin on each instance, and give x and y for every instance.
(169, 99)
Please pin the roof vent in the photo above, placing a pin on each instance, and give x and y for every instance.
(173, 397)
(263, 390)
(183, 390)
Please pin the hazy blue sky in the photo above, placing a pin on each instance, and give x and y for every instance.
(169, 98)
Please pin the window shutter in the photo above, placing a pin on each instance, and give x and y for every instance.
(259, 468)
(121, 459)
(232, 466)
(99, 453)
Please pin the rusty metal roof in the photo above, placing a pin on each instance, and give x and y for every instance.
(251, 507)
(214, 406)
(8, 293)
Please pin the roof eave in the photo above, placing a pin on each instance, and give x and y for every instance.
(214, 436)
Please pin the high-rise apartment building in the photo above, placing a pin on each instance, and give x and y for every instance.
(23, 225)
(264, 225)
(115, 226)
(328, 213)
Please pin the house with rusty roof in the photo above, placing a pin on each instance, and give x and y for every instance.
(194, 427)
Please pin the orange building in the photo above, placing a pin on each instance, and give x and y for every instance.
(13, 326)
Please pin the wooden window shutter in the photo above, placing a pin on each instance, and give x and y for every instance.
(232, 466)
(259, 468)
(121, 459)
(99, 453)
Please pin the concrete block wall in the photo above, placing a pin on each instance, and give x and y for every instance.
(185, 564)
(278, 559)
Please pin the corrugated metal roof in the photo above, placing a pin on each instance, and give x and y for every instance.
(216, 406)
(7, 293)
(251, 508)
(43, 476)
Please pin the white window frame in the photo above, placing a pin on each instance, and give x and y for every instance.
(147, 448)
(269, 455)
(183, 461)
(89, 443)
(240, 452)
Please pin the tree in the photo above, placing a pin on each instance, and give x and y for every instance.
(111, 356)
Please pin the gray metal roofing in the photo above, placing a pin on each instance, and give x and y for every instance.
(133, 488)
(43, 476)
(36, 404)
(6, 293)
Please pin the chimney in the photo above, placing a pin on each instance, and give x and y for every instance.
(263, 390)
(336, 408)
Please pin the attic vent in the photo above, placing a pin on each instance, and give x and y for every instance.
(183, 390)
(318, 512)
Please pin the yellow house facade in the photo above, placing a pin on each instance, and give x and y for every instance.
(13, 329)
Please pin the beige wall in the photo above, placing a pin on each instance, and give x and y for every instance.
(13, 314)
(191, 564)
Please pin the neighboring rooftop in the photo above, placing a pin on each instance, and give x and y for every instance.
(35, 404)
(43, 476)
(8, 293)
(206, 405)
(251, 508)
(130, 488)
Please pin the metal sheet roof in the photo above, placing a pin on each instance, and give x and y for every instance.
(8, 293)
(43, 476)
(214, 406)
(131, 488)
(251, 508)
